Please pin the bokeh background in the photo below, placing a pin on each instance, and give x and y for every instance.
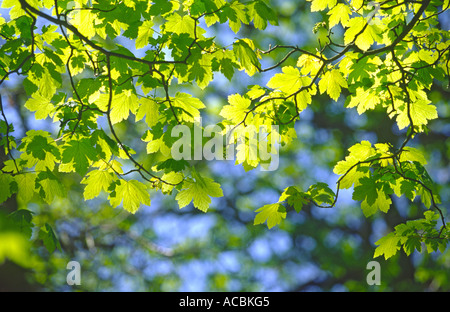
(163, 248)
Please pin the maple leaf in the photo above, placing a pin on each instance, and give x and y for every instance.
(199, 191)
(81, 152)
(131, 194)
(331, 83)
(387, 246)
(272, 213)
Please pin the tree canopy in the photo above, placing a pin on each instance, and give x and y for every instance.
(355, 89)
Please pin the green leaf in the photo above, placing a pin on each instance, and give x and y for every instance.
(49, 238)
(428, 56)
(367, 190)
(272, 213)
(412, 243)
(81, 152)
(413, 154)
(38, 147)
(321, 194)
(133, 193)
(320, 5)
(349, 168)
(173, 165)
(41, 105)
(421, 111)
(339, 14)
(25, 183)
(364, 99)
(189, 105)
(84, 21)
(408, 189)
(236, 111)
(364, 39)
(382, 203)
(121, 105)
(236, 14)
(288, 82)
(96, 181)
(22, 220)
(294, 198)
(331, 83)
(49, 186)
(160, 7)
(261, 13)
(145, 32)
(198, 191)
(387, 246)
(180, 24)
(243, 48)
(5, 186)
(148, 108)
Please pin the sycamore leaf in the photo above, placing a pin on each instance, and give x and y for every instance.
(133, 193)
(145, 32)
(201, 72)
(367, 190)
(180, 24)
(261, 13)
(5, 186)
(340, 13)
(348, 167)
(121, 105)
(49, 238)
(294, 198)
(81, 152)
(288, 82)
(428, 56)
(49, 186)
(236, 111)
(272, 213)
(408, 189)
(382, 202)
(22, 220)
(198, 191)
(364, 100)
(363, 39)
(309, 64)
(412, 244)
(96, 181)
(332, 82)
(173, 178)
(25, 183)
(243, 49)
(84, 21)
(189, 105)
(40, 105)
(149, 109)
(155, 145)
(320, 5)
(387, 246)
(321, 194)
(421, 111)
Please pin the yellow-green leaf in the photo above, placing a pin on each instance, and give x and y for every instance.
(288, 82)
(272, 213)
(131, 194)
(145, 32)
(421, 111)
(331, 83)
(199, 191)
